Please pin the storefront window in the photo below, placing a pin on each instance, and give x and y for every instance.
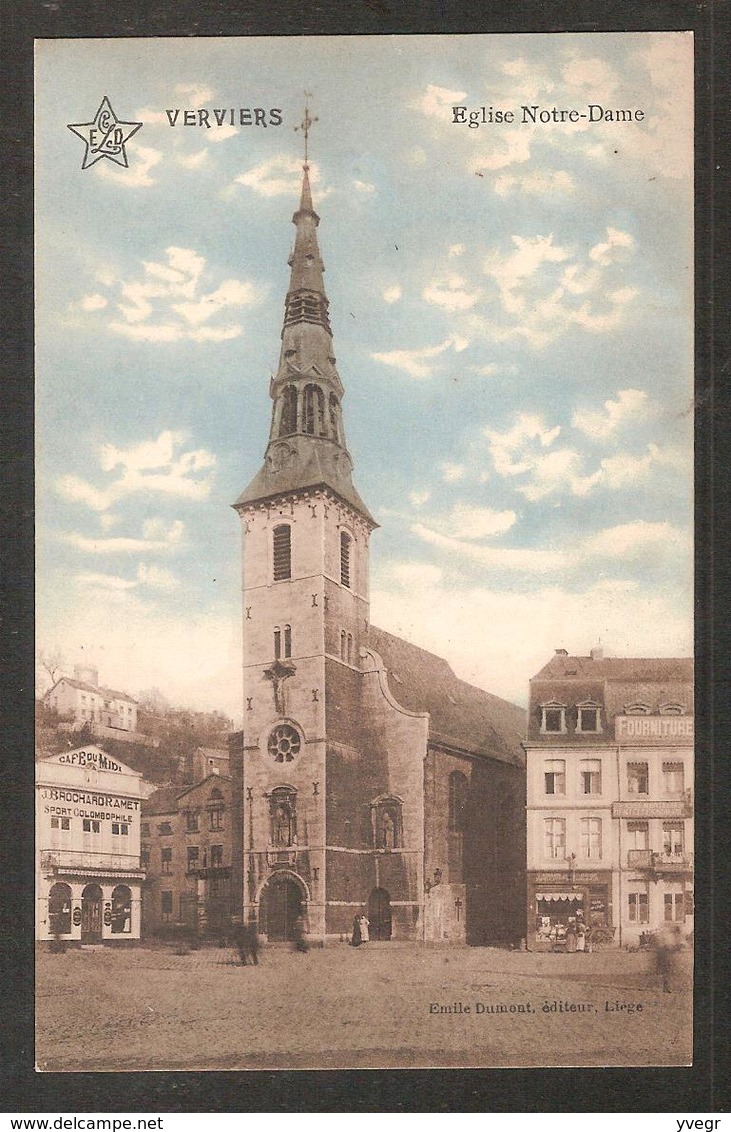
(59, 909)
(121, 910)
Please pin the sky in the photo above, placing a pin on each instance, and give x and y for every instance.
(512, 311)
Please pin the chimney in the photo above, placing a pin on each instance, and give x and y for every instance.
(87, 674)
(562, 652)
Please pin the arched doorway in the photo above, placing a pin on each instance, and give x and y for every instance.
(59, 909)
(91, 914)
(121, 910)
(280, 904)
(379, 914)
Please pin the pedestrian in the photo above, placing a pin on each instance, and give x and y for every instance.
(251, 942)
(300, 933)
(364, 928)
(355, 938)
(667, 943)
(580, 935)
(571, 935)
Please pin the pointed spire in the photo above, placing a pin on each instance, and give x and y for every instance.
(307, 445)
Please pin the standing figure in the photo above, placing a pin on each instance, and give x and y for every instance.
(364, 926)
(571, 935)
(300, 933)
(580, 935)
(667, 943)
(355, 939)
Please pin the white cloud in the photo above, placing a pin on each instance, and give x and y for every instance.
(392, 294)
(529, 560)
(505, 445)
(93, 302)
(535, 183)
(451, 473)
(617, 247)
(521, 451)
(419, 498)
(104, 581)
(437, 101)
(168, 303)
(450, 293)
(630, 404)
(279, 175)
(158, 466)
(137, 175)
(157, 577)
(637, 539)
(544, 290)
(193, 160)
(455, 250)
(416, 362)
(469, 522)
(511, 147)
(364, 186)
(155, 537)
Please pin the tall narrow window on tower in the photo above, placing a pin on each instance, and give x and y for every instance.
(345, 541)
(334, 414)
(314, 410)
(287, 640)
(282, 552)
(288, 421)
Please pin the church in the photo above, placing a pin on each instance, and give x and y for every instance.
(368, 778)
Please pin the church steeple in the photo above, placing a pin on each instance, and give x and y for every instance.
(307, 446)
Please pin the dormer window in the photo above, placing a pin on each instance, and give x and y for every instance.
(637, 707)
(588, 717)
(672, 708)
(553, 717)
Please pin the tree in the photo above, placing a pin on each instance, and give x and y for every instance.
(51, 661)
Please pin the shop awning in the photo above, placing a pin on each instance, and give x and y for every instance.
(555, 896)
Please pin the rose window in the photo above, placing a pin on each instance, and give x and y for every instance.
(284, 743)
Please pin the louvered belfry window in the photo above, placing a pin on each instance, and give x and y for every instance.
(345, 558)
(282, 552)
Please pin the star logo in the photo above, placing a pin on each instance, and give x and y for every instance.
(106, 136)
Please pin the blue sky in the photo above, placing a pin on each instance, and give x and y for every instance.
(512, 317)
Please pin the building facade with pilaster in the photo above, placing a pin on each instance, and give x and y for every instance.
(89, 874)
(609, 763)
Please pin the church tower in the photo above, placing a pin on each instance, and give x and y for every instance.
(305, 605)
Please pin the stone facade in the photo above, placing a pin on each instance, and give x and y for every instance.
(186, 850)
(371, 778)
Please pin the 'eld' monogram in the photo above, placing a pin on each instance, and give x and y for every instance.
(105, 136)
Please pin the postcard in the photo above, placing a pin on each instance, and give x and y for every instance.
(364, 393)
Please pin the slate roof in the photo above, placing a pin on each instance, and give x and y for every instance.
(309, 470)
(166, 799)
(610, 668)
(108, 693)
(163, 801)
(460, 715)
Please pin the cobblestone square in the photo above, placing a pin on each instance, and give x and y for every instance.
(378, 1006)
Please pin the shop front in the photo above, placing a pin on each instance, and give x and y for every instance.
(559, 901)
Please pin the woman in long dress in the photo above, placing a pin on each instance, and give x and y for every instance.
(356, 938)
(364, 926)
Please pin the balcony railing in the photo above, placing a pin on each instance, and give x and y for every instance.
(66, 860)
(659, 862)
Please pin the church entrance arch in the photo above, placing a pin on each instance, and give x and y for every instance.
(91, 914)
(282, 900)
(379, 914)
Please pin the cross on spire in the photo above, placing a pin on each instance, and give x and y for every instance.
(306, 125)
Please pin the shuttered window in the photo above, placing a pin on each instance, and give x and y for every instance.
(282, 553)
(345, 541)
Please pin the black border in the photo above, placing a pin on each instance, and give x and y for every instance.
(702, 1088)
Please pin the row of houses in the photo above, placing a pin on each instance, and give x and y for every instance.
(604, 831)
